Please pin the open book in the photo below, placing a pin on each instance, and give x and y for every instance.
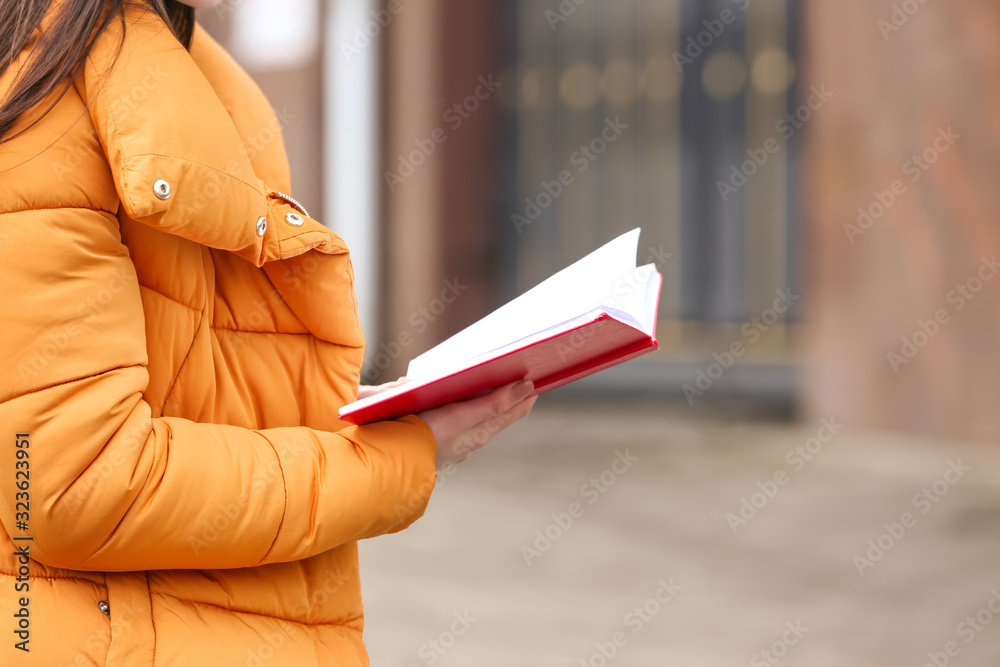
(594, 314)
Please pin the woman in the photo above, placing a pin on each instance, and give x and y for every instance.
(175, 487)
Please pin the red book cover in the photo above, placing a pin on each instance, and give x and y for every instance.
(558, 354)
(601, 343)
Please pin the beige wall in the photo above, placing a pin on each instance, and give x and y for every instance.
(896, 93)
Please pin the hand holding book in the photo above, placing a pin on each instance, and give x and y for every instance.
(462, 427)
(596, 313)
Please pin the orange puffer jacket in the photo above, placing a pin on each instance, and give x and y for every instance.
(175, 487)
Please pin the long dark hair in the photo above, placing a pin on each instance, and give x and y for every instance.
(62, 49)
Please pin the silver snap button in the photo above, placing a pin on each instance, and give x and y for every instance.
(161, 189)
(104, 607)
(261, 226)
(294, 219)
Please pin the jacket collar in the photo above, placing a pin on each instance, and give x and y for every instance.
(189, 138)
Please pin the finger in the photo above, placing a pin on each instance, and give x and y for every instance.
(497, 402)
(522, 409)
(480, 434)
(516, 413)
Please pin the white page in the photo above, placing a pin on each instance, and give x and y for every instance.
(474, 361)
(634, 294)
(575, 290)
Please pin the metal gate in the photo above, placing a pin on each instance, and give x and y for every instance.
(683, 117)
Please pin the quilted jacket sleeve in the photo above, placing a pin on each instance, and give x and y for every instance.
(112, 487)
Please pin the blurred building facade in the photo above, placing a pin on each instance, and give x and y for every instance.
(603, 117)
(511, 138)
(689, 119)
